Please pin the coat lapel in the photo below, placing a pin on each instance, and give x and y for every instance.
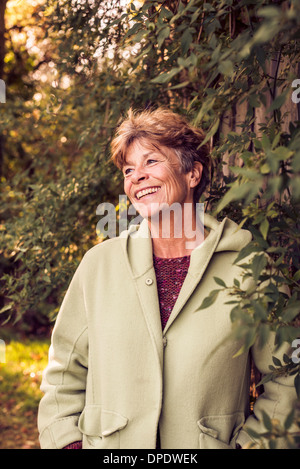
(200, 259)
(138, 246)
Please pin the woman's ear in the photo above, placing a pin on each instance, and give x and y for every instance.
(196, 174)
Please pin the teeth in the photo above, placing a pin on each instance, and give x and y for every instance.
(146, 191)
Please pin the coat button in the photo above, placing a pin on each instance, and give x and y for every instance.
(165, 341)
(149, 281)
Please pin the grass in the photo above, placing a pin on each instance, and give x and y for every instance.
(20, 379)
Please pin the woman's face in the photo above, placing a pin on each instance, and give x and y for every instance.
(153, 178)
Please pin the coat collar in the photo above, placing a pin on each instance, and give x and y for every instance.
(138, 246)
(139, 250)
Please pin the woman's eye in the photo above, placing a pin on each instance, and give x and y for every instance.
(127, 171)
(150, 161)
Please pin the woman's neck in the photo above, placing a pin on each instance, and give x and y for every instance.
(170, 248)
(176, 237)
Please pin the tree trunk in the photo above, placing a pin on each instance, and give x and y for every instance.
(2, 35)
(2, 55)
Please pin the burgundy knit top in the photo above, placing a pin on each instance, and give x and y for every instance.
(170, 274)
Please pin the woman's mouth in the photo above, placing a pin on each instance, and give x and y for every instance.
(143, 192)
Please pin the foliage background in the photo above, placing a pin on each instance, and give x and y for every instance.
(72, 70)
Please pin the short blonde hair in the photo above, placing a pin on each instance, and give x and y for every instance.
(162, 127)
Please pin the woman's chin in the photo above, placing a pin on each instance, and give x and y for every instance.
(147, 210)
(151, 210)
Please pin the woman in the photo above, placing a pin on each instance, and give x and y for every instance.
(133, 362)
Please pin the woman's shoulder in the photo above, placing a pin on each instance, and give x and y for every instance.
(110, 246)
(107, 245)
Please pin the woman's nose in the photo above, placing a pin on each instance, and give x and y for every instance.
(138, 176)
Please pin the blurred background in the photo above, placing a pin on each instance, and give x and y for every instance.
(71, 70)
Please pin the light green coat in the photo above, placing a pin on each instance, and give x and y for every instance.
(114, 375)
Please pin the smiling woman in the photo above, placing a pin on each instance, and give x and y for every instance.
(135, 361)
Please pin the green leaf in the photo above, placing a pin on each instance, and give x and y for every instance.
(260, 311)
(248, 337)
(6, 308)
(252, 433)
(186, 41)
(265, 168)
(259, 262)
(226, 68)
(263, 334)
(179, 86)
(211, 132)
(291, 312)
(209, 300)
(182, 10)
(246, 172)
(286, 358)
(265, 379)
(246, 251)
(269, 12)
(163, 34)
(267, 421)
(272, 444)
(167, 76)
(244, 191)
(265, 141)
(195, 15)
(236, 313)
(296, 277)
(276, 362)
(277, 103)
(220, 282)
(236, 282)
(286, 334)
(282, 153)
(297, 384)
(207, 105)
(289, 420)
(264, 228)
(133, 30)
(265, 33)
(164, 13)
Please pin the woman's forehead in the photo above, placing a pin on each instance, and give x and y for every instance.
(144, 148)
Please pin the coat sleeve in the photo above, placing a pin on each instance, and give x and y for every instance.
(277, 400)
(64, 379)
(279, 394)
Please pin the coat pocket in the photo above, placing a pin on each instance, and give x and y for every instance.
(220, 431)
(100, 427)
